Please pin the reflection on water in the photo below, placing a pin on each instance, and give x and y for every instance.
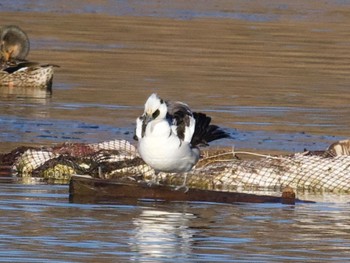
(25, 93)
(39, 224)
(160, 234)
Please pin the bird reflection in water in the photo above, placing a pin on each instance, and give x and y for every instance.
(30, 94)
(160, 234)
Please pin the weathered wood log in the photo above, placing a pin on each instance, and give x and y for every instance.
(5, 170)
(87, 189)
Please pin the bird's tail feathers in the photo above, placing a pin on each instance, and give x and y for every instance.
(205, 132)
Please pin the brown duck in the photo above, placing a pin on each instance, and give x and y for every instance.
(15, 70)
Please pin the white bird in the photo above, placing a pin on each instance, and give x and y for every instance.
(168, 134)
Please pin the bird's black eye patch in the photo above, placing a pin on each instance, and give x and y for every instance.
(155, 114)
(161, 101)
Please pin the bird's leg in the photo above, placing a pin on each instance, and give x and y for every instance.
(155, 179)
(183, 186)
(156, 174)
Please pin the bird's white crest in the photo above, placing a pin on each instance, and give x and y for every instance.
(154, 103)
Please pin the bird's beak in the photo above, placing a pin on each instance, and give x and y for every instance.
(147, 118)
(5, 56)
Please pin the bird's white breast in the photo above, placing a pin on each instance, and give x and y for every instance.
(164, 151)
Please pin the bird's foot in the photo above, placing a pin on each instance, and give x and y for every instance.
(154, 181)
(183, 188)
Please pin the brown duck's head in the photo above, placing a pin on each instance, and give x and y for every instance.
(14, 43)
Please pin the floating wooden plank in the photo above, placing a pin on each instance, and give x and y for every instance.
(87, 189)
(5, 170)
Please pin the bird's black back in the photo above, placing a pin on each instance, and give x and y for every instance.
(179, 114)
